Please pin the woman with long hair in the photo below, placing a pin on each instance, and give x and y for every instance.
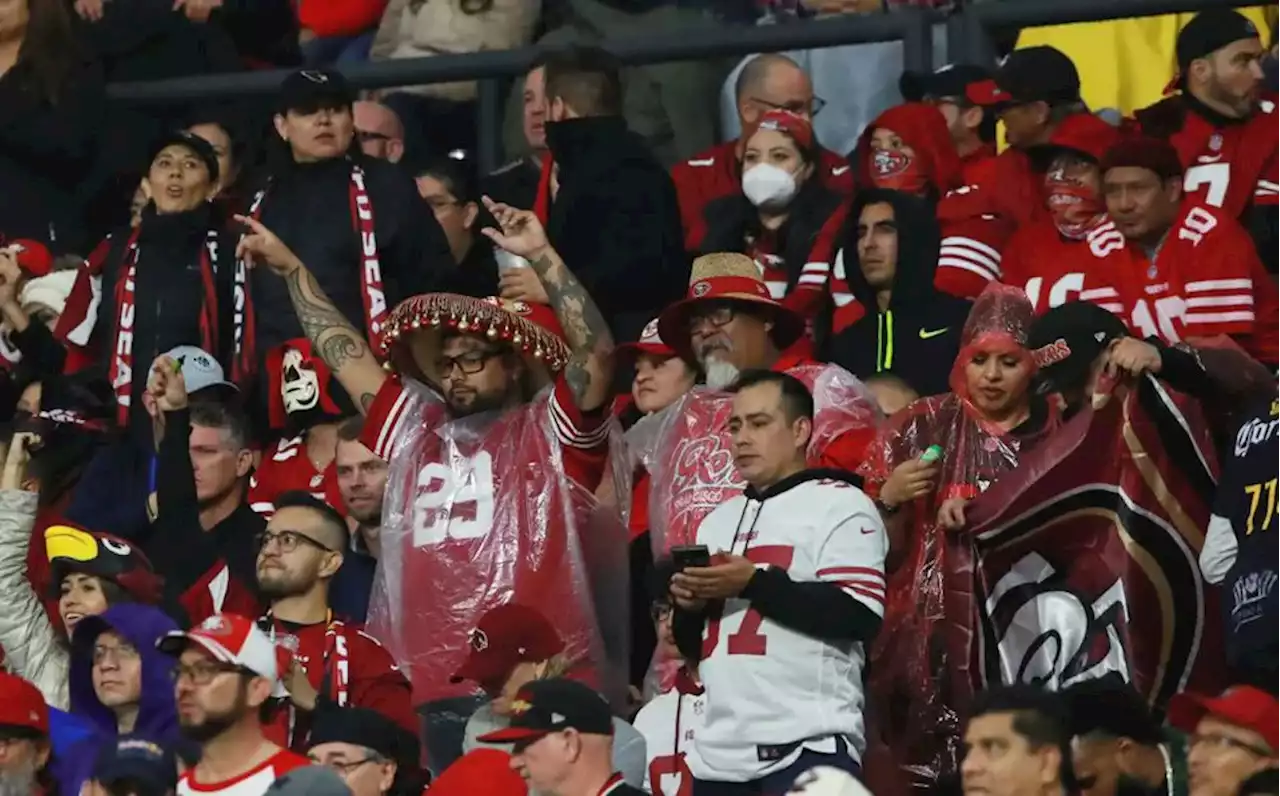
(51, 105)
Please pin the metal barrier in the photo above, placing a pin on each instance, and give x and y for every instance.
(967, 31)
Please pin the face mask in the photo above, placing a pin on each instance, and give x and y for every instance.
(1075, 209)
(897, 171)
(766, 185)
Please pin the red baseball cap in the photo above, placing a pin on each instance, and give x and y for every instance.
(485, 771)
(793, 124)
(234, 639)
(22, 707)
(33, 257)
(1241, 705)
(650, 342)
(505, 636)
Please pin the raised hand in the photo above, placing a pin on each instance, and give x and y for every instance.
(10, 275)
(166, 385)
(520, 232)
(262, 246)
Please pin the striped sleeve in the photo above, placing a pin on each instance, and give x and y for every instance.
(571, 427)
(386, 418)
(852, 556)
(1267, 189)
(971, 256)
(1106, 297)
(1219, 306)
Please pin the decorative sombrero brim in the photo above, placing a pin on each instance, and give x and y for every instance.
(673, 324)
(532, 330)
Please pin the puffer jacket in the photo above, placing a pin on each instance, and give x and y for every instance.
(424, 28)
(31, 644)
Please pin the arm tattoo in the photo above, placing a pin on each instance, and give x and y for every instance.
(589, 369)
(339, 344)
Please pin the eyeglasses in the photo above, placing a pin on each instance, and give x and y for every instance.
(287, 540)
(118, 653)
(660, 611)
(715, 317)
(469, 363)
(345, 767)
(1227, 742)
(798, 107)
(203, 673)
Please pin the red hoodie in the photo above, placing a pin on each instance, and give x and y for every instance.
(924, 129)
(327, 18)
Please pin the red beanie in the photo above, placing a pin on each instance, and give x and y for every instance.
(1153, 154)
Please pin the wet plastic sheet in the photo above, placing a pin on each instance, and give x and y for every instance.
(690, 459)
(479, 512)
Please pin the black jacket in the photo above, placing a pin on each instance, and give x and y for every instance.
(515, 183)
(168, 294)
(308, 205)
(917, 337)
(476, 275)
(616, 222)
(46, 151)
(730, 219)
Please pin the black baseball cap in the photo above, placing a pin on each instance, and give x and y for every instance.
(200, 147)
(309, 90)
(1112, 707)
(546, 706)
(139, 761)
(1036, 74)
(1210, 31)
(1066, 340)
(332, 723)
(951, 80)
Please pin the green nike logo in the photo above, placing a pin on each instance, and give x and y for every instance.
(925, 334)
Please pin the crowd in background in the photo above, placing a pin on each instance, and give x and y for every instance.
(801, 424)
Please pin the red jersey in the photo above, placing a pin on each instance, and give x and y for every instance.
(346, 666)
(1204, 280)
(1049, 268)
(253, 782)
(815, 279)
(716, 173)
(1228, 165)
(286, 467)
(217, 592)
(489, 512)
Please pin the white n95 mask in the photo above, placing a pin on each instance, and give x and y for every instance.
(767, 185)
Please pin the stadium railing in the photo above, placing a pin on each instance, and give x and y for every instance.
(968, 28)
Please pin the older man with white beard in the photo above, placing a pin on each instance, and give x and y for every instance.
(730, 323)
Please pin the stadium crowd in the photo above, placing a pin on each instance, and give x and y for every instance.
(927, 444)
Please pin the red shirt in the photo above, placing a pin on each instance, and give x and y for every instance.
(815, 279)
(286, 467)
(490, 523)
(1049, 268)
(1205, 280)
(716, 173)
(253, 782)
(1228, 166)
(217, 592)
(361, 674)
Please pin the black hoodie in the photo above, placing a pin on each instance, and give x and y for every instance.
(917, 337)
(616, 222)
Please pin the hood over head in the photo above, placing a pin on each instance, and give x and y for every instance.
(917, 247)
(923, 128)
(142, 626)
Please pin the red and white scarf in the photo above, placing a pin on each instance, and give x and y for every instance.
(121, 368)
(374, 298)
(335, 663)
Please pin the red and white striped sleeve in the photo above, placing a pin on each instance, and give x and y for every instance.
(1267, 190)
(571, 427)
(1219, 306)
(852, 556)
(969, 255)
(1105, 296)
(386, 418)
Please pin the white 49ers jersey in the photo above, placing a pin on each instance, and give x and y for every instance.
(772, 691)
(669, 724)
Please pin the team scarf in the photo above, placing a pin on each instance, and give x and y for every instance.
(121, 368)
(335, 680)
(374, 298)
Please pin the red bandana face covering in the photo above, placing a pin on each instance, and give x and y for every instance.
(895, 170)
(1075, 208)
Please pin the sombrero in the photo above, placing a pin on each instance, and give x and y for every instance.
(726, 276)
(531, 329)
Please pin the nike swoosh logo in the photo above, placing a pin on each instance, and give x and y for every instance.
(838, 170)
(866, 531)
(925, 334)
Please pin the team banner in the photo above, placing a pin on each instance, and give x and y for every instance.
(1086, 558)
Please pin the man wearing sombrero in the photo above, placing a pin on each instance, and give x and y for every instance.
(729, 323)
(495, 431)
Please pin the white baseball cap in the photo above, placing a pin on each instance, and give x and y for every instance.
(234, 639)
(200, 370)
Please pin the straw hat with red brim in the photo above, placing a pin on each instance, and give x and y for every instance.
(727, 277)
(422, 321)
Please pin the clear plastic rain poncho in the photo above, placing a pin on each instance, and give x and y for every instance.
(913, 687)
(479, 511)
(687, 449)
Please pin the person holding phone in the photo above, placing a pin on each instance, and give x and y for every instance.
(779, 617)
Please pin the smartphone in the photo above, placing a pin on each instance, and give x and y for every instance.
(695, 555)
